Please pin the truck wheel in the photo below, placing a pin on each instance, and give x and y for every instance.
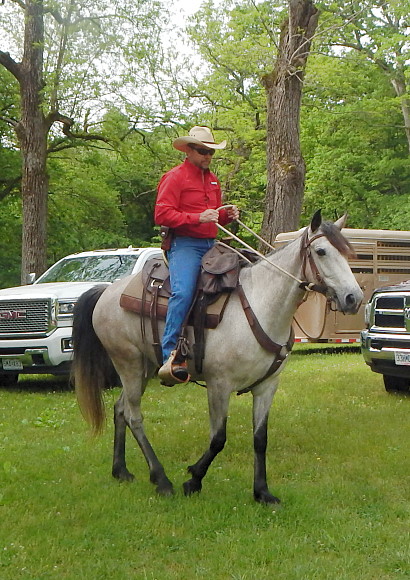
(9, 379)
(396, 384)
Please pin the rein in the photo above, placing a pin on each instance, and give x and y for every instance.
(305, 253)
(280, 351)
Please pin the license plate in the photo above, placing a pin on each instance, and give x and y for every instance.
(402, 358)
(12, 364)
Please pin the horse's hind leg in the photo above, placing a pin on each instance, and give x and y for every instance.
(156, 470)
(262, 400)
(119, 467)
(218, 402)
(128, 414)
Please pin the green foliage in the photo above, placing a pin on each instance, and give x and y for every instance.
(10, 241)
(337, 458)
(134, 171)
(351, 128)
(10, 170)
(83, 209)
(113, 68)
(10, 203)
(355, 150)
(379, 34)
(10, 161)
(238, 42)
(86, 54)
(104, 197)
(376, 30)
(82, 63)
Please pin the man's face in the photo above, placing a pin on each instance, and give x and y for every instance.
(200, 156)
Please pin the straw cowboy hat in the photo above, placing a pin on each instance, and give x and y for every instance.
(201, 136)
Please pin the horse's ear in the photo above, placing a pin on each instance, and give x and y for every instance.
(341, 222)
(316, 221)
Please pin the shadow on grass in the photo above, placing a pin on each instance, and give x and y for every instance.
(325, 349)
(39, 384)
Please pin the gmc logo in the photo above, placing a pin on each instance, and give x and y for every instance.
(13, 314)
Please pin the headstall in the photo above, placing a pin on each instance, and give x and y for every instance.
(307, 260)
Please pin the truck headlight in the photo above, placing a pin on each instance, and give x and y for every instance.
(65, 309)
(367, 311)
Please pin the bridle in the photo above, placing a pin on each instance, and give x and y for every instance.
(305, 253)
(307, 260)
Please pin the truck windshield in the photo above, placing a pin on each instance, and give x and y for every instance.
(91, 269)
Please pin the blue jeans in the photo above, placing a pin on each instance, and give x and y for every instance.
(184, 259)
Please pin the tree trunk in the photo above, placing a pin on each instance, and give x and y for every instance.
(32, 133)
(285, 164)
(400, 88)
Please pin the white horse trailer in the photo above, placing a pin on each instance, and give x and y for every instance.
(383, 258)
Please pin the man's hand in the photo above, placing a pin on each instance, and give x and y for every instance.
(209, 215)
(233, 212)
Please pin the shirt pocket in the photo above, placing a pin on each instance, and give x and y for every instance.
(212, 195)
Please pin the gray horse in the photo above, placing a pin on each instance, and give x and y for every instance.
(246, 352)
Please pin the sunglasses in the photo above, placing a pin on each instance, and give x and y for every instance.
(202, 151)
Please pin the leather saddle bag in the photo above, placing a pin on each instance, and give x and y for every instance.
(220, 270)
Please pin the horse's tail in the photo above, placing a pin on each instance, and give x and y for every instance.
(92, 369)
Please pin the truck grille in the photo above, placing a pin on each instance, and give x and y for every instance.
(392, 312)
(22, 318)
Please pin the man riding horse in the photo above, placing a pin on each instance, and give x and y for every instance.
(187, 202)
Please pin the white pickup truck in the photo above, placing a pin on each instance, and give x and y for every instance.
(385, 341)
(36, 320)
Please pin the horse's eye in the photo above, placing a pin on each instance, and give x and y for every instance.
(321, 252)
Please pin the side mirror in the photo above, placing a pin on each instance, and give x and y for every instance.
(31, 277)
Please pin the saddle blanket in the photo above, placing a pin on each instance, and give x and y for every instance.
(135, 299)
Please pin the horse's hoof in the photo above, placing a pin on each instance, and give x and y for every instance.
(164, 485)
(265, 497)
(165, 491)
(191, 487)
(122, 474)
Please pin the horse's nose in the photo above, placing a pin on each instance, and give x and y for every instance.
(350, 300)
(352, 303)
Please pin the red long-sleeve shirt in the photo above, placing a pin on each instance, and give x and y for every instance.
(184, 193)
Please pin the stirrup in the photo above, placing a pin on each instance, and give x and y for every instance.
(173, 373)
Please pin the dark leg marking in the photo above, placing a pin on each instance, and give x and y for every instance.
(261, 492)
(199, 469)
(119, 468)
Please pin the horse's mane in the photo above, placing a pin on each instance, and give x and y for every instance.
(332, 233)
(337, 239)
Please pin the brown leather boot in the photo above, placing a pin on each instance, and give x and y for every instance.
(173, 372)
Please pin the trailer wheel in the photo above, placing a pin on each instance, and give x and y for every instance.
(396, 384)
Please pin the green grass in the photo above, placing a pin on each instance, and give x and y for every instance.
(338, 459)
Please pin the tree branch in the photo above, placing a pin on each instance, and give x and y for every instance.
(360, 48)
(10, 185)
(20, 3)
(67, 124)
(10, 64)
(9, 121)
(56, 15)
(268, 29)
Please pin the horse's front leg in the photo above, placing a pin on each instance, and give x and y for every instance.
(218, 402)
(262, 401)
